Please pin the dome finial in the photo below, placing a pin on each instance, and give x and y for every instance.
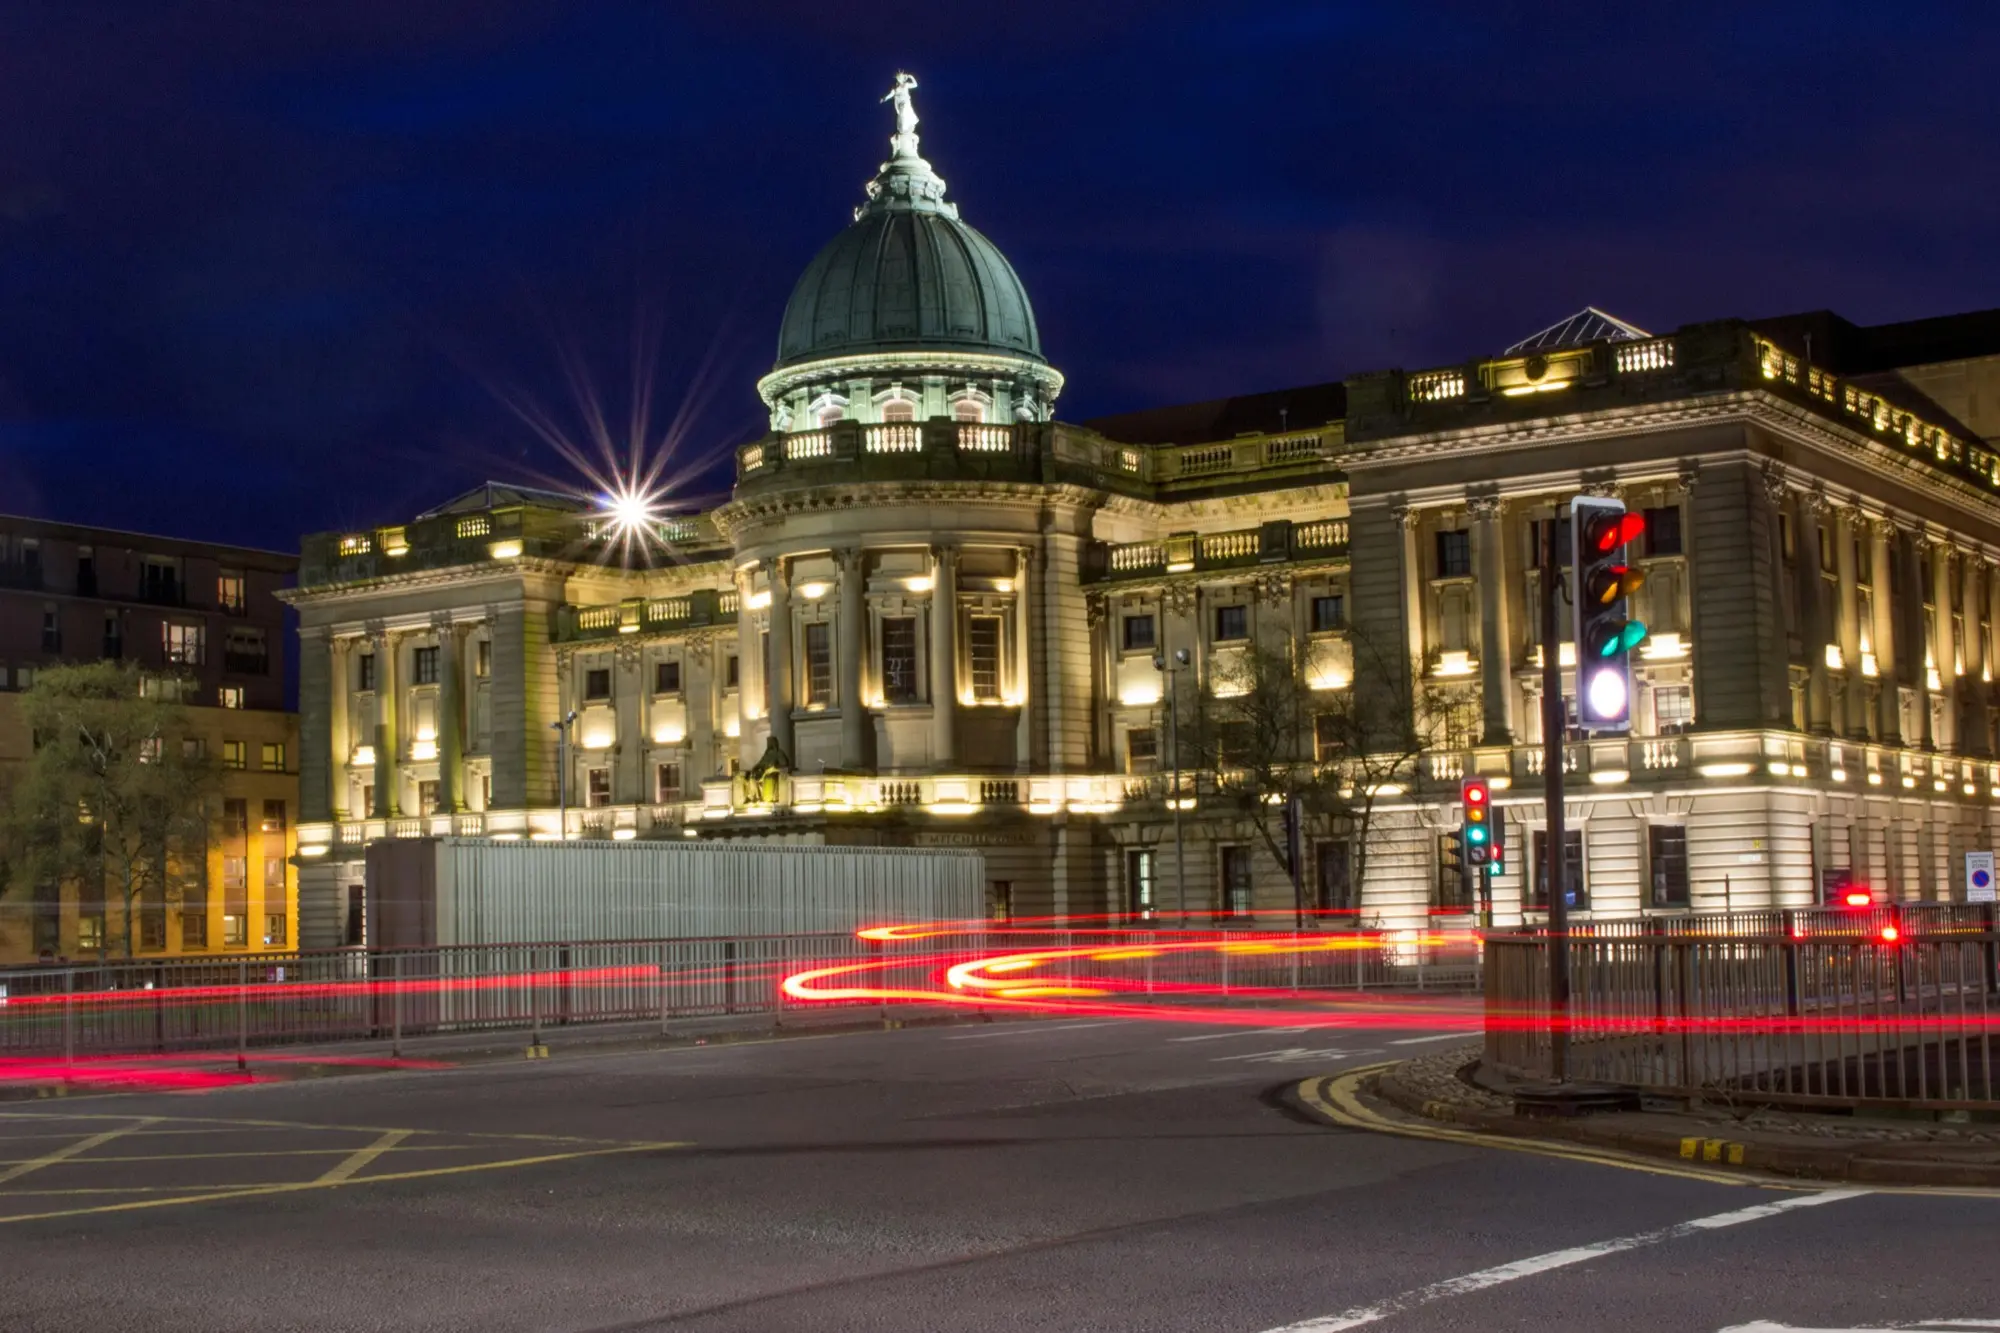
(905, 180)
(903, 143)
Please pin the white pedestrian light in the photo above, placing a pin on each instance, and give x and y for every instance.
(1606, 694)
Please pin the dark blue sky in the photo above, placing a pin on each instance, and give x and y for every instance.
(268, 269)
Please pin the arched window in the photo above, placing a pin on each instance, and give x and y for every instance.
(829, 410)
(969, 410)
(899, 409)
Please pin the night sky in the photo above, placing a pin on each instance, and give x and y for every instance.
(271, 268)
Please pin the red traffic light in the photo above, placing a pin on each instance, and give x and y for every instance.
(1608, 532)
(1890, 934)
(1475, 795)
(1856, 898)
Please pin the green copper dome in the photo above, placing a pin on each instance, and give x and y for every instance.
(908, 275)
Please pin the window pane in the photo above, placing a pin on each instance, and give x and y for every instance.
(1235, 880)
(819, 662)
(1333, 878)
(426, 666)
(667, 783)
(1666, 846)
(1142, 750)
(1232, 622)
(1329, 613)
(983, 642)
(1139, 634)
(1663, 530)
(597, 683)
(666, 678)
(1454, 554)
(899, 659)
(1139, 883)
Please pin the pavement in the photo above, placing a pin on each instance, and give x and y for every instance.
(1088, 1174)
(1448, 1087)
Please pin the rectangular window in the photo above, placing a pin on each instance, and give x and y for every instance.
(236, 873)
(274, 928)
(1139, 633)
(235, 819)
(982, 640)
(90, 932)
(1454, 554)
(194, 928)
(1789, 550)
(1673, 709)
(274, 877)
(152, 928)
(1000, 899)
(229, 591)
(1327, 733)
(1667, 858)
(181, 644)
(1663, 530)
(1573, 882)
(1235, 880)
(427, 796)
(1232, 622)
(273, 756)
(819, 663)
(51, 631)
(424, 666)
(597, 787)
(1139, 884)
(1329, 613)
(235, 754)
(764, 664)
(244, 653)
(1142, 750)
(235, 930)
(160, 581)
(1333, 879)
(731, 673)
(667, 783)
(364, 672)
(192, 749)
(597, 684)
(899, 659)
(1864, 562)
(357, 918)
(150, 749)
(230, 696)
(1538, 532)
(482, 659)
(86, 580)
(666, 677)
(114, 637)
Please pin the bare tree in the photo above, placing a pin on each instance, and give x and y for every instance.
(1287, 727)
(112, 800)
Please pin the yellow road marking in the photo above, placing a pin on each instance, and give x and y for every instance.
(258, 1191)
(63, 1154)
(293, 1124)
(356, 1160)
(276, 1152)
(1334, 1099)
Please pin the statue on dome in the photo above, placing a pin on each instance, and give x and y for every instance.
(906, 114)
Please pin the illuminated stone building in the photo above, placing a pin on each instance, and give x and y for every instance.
(204, 622)
(929, 613)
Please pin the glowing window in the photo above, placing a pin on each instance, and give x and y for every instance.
(968, 410)
(899, 409)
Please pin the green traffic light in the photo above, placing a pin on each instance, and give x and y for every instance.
(1476, 833)
(1623, 640)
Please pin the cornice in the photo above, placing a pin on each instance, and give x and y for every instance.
(740, 513)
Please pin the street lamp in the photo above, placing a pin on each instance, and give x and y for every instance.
(561, 727)
(1174, 750)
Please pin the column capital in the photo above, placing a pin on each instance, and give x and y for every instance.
(1688, 473)
(1096, 607)
(1483, 507)
(1774, 479)
(849, 558)
(1404, 516)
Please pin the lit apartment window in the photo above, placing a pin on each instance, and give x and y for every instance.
(899, 659)
(1232, 622)
(666, 677)
(597, 684)
(194, 927)
(235, 754)
(1139, 884)
(982, 641)
(424, 666)
(90, 931)
(1329, 613)
(274, 876)
(899, 409)
(274, 756)
(597, 787)
(819, 663)
(667, 783)
(229, 591)
(274, 928)
(274, 817)
(181, 644)
(230, 696)
(149, 750)
(1673, 709)
(969, 411)
(1140, 633)
(235, 930)
(236, 872)
(1142, 750)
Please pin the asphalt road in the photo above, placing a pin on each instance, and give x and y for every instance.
(1042, 1175)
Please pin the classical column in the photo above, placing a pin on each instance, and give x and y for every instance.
(1943, 648)
(1810, 584)
(780, 665)
(450, 726)
(316, 766)
(852, 648)
(944, 656)
(1885, 631)
(1406, 519)
(1912, 633)
(1971, 737)
(1495, 643)
(340, 745)
(387, 714)
(749, 670)
(1027, 569)
(1848, 629)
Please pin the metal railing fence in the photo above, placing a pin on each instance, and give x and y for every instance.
(1908, 1020)
(211, 1004)
(1794, 922)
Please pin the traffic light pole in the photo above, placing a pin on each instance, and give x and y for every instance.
(1554, 860)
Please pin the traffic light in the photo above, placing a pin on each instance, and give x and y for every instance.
(1602, 581)
(1476, 827)
(1454, 851)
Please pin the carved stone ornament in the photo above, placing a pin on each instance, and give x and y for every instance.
(1483, 507)
(1179, 596)
(1775, 484)
(1689, 474)
(698, 646)
(627, 655)
(1605, 489)
(1818, 502)
(1404, 516)
(1274, 587)
(1096, 607)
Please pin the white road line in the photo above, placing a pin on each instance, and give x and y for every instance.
(1247, 1032)
(1443, 1036)
(1928, 1326)
(1023, 1029)
(1543, 1263)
